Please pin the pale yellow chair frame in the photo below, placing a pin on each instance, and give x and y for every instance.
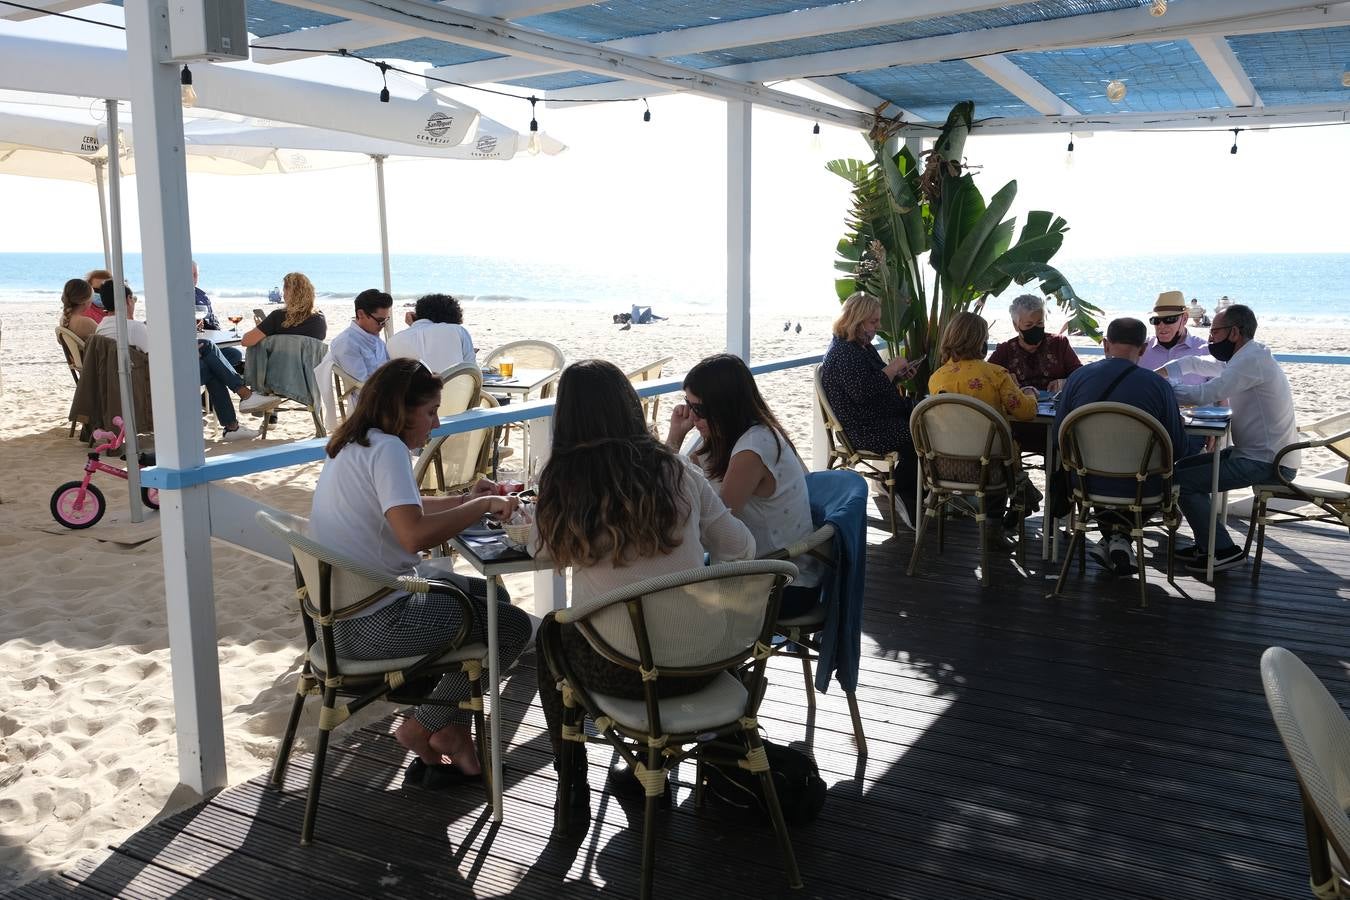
(878, 467)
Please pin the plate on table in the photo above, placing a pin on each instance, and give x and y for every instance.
(1211, 412)
(1046, 396)
(482, 529)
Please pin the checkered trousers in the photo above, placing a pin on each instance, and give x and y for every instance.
(419, 623)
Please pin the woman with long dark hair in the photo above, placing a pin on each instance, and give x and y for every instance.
(752, 463)
(367, 506)
(618, 506)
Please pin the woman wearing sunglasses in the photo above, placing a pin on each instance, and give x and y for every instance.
(617, 506)
(750, 461)
(367, 506)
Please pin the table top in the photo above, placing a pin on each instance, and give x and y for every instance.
(494, 556)
(222, 338)
(522, 381)
(1207, 427)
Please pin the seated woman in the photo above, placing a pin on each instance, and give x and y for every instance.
(751, 462)
(96, 277)
(77, 308)
(617, 506)
(964, 371)
(1034, 359)
(862, 391)
(298, 317)
(367, 506)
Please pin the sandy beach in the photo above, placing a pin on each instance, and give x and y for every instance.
(87, 750)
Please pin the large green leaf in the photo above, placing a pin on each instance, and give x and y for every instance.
(988, 237)
(958, 215)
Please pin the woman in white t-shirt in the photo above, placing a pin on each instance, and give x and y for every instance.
(368, 507)
(749, 459)
(617, 506)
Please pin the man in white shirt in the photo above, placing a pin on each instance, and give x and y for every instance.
(137, 334)
(360, 350)
(1248, 377)
(435, 334)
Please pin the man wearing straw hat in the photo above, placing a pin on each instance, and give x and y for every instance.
(1171, 341)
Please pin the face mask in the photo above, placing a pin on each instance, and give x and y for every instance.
(1222, 350)
(1034, 335)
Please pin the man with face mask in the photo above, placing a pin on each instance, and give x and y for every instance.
(1120, 378)
(1248, 377)
(1034, 359)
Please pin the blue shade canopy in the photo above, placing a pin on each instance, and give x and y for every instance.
(918, 55)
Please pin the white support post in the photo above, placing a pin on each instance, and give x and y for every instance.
(820, 435)
(550, 588)
(99, 166)
(184, 514)
(738, 228)
(384, 236)
(127, 396)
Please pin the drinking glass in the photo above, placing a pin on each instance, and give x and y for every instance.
(235, 320)
(507, 366)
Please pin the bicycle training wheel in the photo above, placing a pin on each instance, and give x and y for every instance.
(71, 511)
(150, 497)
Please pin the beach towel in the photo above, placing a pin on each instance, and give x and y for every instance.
(840, 498)
(284, 364)
(98, 397)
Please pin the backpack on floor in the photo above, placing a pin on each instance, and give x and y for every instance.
(734, 793)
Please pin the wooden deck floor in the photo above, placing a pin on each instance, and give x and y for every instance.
(1019, 747)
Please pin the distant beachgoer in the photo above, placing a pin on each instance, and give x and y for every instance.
(299, 316)
(367, 506)
(274, 296)
(863, 392)
(77, 308)
(436, 335)
(360, 349)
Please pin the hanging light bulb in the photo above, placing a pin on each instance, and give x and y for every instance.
(1157, 7)
(1115, 90)
(535, 145)
(1233, 151)
(384, 76)
(189, 93)
(647, 111)
(1068, 152)
(816, 143)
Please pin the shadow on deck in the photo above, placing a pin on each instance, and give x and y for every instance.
(1019, 746)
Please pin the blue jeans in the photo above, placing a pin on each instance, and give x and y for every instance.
(219, 378)
(1193, 475)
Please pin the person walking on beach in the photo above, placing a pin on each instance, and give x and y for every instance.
(1246, 375)
(360, 350)
(368, 507)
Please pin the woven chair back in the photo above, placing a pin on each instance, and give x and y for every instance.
(1316, 735)
(464, 457)
(954, 435)
(1115, 440)
(460, 386)
(73, 349)
(529, 355)
(350, 586)
(650, 372)
(833, 430)
(703, 618)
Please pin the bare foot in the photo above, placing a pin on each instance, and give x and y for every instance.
(456, 742)
(412, 736)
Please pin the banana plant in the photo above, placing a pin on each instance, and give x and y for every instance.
(899, 214)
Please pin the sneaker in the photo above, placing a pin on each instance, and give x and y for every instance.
(1101, 553)
(1187, 555)
(259, 402)
(1223, 559)
(1121, 554)
(239, 434)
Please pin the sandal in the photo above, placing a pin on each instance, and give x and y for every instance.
(439, 776)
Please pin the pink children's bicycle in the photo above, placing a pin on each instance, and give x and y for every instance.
(79, 504)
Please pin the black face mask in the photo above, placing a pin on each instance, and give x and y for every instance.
(1222, 350)
(1176, 339)
(1034, 335)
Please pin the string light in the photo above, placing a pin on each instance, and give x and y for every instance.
(1115, 90)
(384, 76)
(535, 145)
(1068, 152)
(816, 143)
(188, 94)
(647, 111)
(1233, 151)
(1157, 8)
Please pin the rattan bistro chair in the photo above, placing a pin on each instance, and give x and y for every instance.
(1331, 497)
(650, 372)
(1122, 442)
(698, 622)
(965, 449)
(878, 467)
(801, 634)
(1316, 736)
(72, 346)
(329, 587)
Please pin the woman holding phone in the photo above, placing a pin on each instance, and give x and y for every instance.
(863, 391)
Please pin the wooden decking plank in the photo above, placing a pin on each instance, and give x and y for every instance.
(122, 876)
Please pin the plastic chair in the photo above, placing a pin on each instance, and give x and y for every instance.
(878, 467)
(965, 448)
(345, 385)
(699, 622)
(530, 355)
(1116, 440)
(1316, 736)
(1331, 497)
(455, 462)
(329, 587)
(72, 346)
(650, 372)
(801, 633)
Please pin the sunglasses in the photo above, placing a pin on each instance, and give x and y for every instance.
(378, 320)
(1164, 320)
(698, 409)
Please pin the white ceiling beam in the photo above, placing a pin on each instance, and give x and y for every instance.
(1224, 119)
(1183, 21)
(358, 35)
(1227, 71)
(497, 36)
(851, 95)
(14, 14)
(1007, 75)
(855, 16)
